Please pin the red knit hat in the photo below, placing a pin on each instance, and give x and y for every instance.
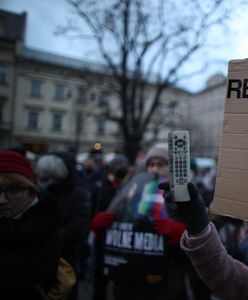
(13, 162)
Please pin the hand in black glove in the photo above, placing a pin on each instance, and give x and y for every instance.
(192, 213)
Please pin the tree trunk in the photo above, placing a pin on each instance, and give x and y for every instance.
(132, 147)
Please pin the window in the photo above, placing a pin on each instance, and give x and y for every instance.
(100, 127)
(35, 90)
(92, 96)
(173, 108)
(33, 117)
(60, 92)
(158, 108)
(2, 27)
(3, 73)
(79, 122)
(81, 95)
(103, 99)
(155, 132)
(57, 121)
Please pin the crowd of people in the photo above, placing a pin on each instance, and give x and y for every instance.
(115, 225)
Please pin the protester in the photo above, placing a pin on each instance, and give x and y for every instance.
(243, 242)
(148, 280)
(118, 173)
(30, 244)
(156, 162)
(224, 275)
(198, 179)
(94, 174)
(56, 177)
(101, 219)
(229, 232)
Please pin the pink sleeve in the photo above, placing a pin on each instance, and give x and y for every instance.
(194, 241)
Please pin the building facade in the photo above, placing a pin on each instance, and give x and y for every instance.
(207, 110)
(48, 102)
(11, 41)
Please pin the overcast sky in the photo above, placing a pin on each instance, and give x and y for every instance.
(43, 17)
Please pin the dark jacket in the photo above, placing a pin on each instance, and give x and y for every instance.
(29, 251)
(102, 196)
(136, 256)
(100, 199)
(74, 208)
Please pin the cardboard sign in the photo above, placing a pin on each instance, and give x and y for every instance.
(231, 190)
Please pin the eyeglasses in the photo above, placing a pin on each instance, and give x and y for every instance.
(13, 192)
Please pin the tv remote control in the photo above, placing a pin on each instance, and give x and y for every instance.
(170, 159)
(179, 154)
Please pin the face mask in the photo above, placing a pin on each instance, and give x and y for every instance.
(44, 185)
(88, 170)
(121, 173)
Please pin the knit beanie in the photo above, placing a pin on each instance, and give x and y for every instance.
(13, 162)
(159, 151)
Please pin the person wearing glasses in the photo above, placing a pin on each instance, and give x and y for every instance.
(30, 245)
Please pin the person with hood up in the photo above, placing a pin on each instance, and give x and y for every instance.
(30, 245)
(57, 177)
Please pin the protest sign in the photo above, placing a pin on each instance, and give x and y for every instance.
(134, 252)
(231, 197)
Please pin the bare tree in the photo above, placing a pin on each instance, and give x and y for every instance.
(144, 43)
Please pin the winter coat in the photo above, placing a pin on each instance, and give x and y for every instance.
(74, 208)
(29, 251)
(225, 276)
(102, 196)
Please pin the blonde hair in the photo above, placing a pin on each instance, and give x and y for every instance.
(15, 178)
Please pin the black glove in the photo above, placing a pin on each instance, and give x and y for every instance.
(192, 213)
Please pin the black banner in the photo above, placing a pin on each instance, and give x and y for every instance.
(134, 252)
